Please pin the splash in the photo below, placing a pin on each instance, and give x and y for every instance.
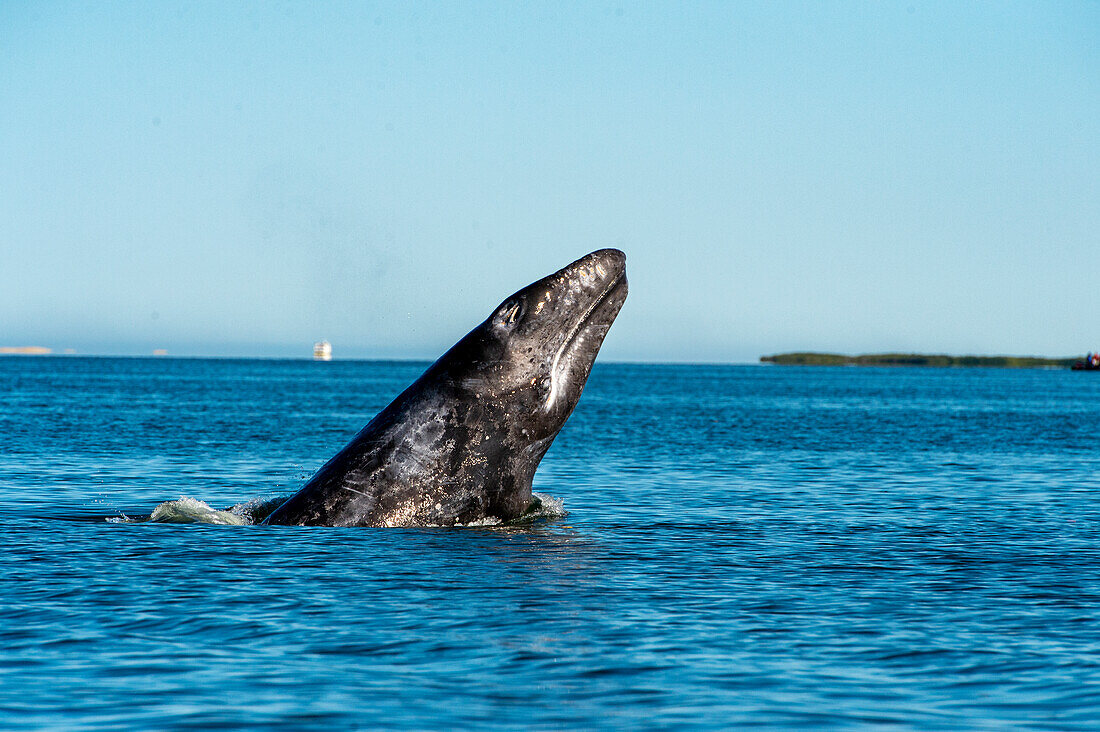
(543, 508)
(257, 509)
(192, 511)
(187, 510)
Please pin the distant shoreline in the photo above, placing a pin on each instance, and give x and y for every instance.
(917, 359)
(783, 359)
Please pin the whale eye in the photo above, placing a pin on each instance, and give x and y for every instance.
(509, 313)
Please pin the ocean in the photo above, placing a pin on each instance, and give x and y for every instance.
(725, 547)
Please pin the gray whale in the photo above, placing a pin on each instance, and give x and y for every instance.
(462, 443)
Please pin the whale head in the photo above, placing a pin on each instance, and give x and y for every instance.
(531, 357)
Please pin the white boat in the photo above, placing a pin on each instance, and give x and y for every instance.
(322, 351)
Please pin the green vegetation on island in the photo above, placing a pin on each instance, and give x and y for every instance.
(917, 359)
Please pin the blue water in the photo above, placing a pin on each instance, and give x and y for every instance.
(742, 545)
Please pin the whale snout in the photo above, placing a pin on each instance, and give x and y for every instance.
(613, 259)
(598, 269)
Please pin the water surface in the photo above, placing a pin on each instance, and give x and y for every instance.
(742, 545)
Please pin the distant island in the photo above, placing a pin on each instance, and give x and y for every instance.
(917, 359)
(25, 351)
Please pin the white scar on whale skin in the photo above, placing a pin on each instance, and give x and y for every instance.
(349, 488)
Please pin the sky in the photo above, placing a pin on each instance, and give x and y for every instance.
(243, 179)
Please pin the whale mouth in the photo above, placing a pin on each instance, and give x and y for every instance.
(578, 350)
(589, 314)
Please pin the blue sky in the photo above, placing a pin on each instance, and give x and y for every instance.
(244, 179)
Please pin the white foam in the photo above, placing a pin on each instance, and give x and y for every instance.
(487, 521)
(542, 508)
(187, 510)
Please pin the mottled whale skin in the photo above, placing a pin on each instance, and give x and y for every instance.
(462, 443)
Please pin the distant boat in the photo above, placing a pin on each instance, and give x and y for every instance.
(1086, 366)
(322, 351)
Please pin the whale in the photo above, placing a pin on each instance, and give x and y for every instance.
(461, 444)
